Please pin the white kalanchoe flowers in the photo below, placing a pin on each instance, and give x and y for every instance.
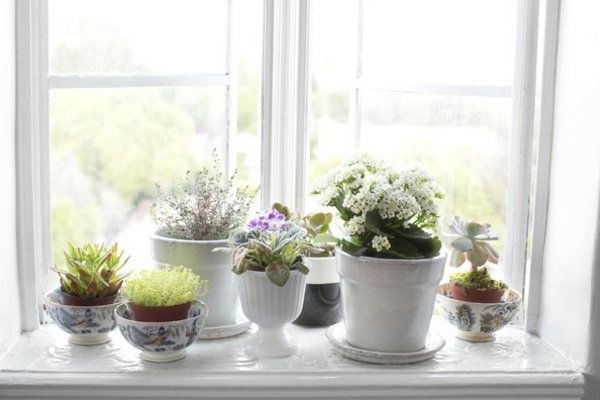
(383, 208)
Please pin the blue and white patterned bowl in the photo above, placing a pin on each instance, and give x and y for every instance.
(162, 341)
(477, 322)
(86, 325)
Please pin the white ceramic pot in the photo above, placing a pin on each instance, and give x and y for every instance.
(322, 270)
(388, 303)
(221, 296)
(271, 308)
(477, 322)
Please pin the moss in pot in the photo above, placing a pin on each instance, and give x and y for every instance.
(92, 276)
(470, 242)
(162, 295)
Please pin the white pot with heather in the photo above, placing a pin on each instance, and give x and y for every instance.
(271, 279)
(192, 220)
(390, 261)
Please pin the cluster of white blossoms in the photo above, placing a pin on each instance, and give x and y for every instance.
(380, 243)
(364, 184)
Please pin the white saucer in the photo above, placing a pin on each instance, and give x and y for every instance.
(225, 331)
(337, 336)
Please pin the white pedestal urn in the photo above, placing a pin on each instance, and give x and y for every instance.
(271, 308)
(388, 303)
(221, 296)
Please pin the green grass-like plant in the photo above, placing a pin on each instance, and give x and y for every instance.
(164, 287)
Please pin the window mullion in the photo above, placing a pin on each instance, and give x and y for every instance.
(109, 81)
(517, 210)
(284, 101)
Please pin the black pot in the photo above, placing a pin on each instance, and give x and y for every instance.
(322, 305)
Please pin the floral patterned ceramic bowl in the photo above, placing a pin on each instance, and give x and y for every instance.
(477, 322)
(162, 341)
(86, 325)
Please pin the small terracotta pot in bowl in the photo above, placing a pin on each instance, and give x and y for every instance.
(164, 341)
(86, 324)
(476, 321)
(459, 292)
(69, 300)
(159, 314)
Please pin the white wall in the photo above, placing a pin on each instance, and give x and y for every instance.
(568, 313)
(9, 317)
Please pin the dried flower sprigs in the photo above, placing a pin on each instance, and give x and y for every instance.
(203, 206)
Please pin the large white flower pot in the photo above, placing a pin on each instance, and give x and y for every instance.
(388, 304)
(221, 296)
(271, 308)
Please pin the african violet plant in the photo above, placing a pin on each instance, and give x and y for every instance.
(317, 229)
(271, 244)
(387, 213)
(470, 242)
(164, 287)
(203, 206)
(92, 271)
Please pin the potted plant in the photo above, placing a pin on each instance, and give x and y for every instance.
(267, 257)
(194, 219)
(474, 302)
(389, 262)
(89, 286)
(162, 315)
(322, 299)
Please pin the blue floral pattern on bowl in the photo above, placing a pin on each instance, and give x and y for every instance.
(162, 341)
(477, 322)
(87, 325)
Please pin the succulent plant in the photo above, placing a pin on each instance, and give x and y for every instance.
(164, 287)
(317, 229)
(470, 242)
(92, 271)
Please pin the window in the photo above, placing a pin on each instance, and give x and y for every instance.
(133, 93)
(427, 82)
(140, 92)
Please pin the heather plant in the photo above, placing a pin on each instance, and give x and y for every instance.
(91, 271)
(164, 287)
(271, 244)
(386, 213)
(470, 242)
(203, 206)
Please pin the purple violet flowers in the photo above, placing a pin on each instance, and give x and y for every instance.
(272, 221)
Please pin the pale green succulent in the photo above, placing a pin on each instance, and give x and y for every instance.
(470, 241)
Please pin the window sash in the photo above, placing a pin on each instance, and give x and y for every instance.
(284, 125)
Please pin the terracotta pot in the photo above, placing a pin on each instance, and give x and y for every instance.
(69, 300)
(159, 314)
(458, 292)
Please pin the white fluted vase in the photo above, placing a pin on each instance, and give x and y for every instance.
(271, 308)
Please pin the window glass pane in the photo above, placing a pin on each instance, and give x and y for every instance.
(137, 36)
(108, 148)
(332, 78)
(463, 141)
(439, 41)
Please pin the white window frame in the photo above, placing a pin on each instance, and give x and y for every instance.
(284, 132)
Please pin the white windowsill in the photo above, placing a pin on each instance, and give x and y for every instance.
(43, 364)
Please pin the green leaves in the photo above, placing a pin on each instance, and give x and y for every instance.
(277, 273)
(91, 271)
